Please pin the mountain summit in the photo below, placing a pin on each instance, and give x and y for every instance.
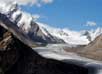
(39, 32)
(25, 23)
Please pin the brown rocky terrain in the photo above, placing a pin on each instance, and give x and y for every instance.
(93, 50)
(17, 57)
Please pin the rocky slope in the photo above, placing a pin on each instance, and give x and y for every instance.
(94, 49)
(16, 57)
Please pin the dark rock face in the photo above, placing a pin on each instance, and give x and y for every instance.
(18, 58)
(37, 35)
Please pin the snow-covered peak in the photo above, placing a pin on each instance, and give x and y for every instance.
(15, 14)
(6, 8)
(96, 33)
(25, 22)
(69, 36)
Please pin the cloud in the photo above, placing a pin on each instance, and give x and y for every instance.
(38, 3)
(91, 23)
(47, 1)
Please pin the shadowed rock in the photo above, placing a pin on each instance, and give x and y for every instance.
(18, 58)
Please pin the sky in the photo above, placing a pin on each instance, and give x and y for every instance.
(71, 14)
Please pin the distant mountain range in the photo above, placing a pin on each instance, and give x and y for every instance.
(42, 33)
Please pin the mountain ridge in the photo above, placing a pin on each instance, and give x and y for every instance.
(41, 32)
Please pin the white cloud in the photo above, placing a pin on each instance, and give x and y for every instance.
(38, 3)
(47, 1)
(91, 23)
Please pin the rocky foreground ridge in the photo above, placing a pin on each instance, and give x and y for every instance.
(16, 57)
